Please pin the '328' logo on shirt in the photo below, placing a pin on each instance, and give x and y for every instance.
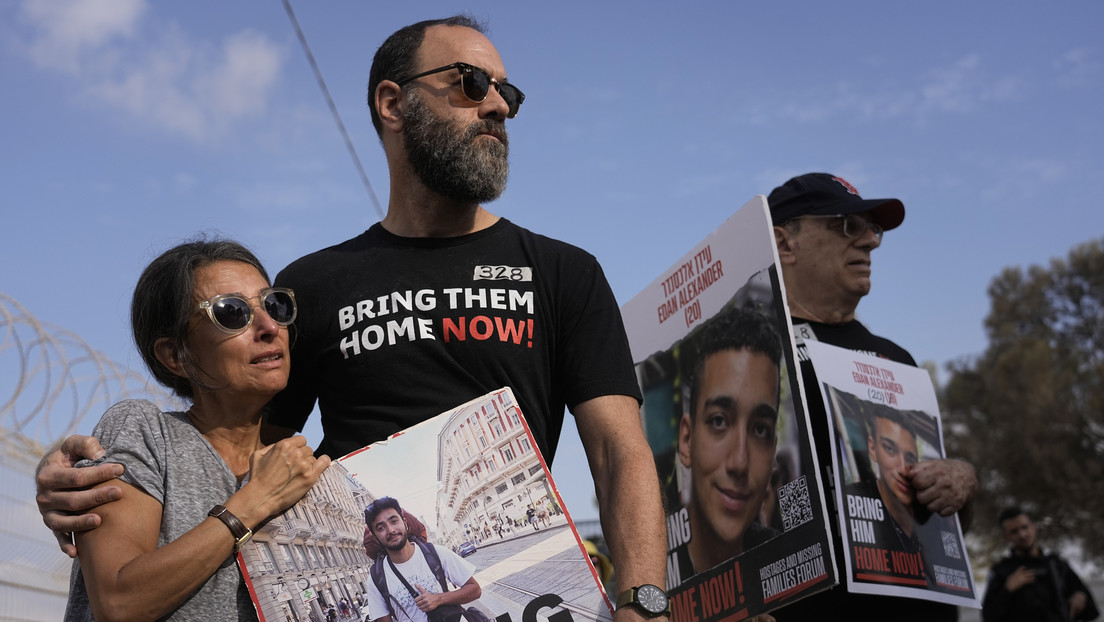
(502, 273)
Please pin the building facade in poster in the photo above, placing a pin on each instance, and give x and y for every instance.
(491, 475)
(312, 556)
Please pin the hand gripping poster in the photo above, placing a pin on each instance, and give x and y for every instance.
(461, 502)
(747, 526)
(884, 420)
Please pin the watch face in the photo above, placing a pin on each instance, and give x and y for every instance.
(651, 598)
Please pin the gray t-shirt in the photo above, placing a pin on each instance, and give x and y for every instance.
(166, 456)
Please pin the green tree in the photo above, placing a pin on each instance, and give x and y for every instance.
(1029, 411)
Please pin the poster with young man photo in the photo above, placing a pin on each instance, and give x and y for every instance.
(747, 526)
(885, 419)
(456, 519)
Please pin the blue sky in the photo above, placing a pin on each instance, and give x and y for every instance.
(129, 125)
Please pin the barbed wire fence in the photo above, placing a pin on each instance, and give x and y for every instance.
(51, 380)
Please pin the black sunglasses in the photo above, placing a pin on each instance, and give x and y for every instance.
(476, 84)
(233, 313)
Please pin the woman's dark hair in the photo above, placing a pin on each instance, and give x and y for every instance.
(165, 299)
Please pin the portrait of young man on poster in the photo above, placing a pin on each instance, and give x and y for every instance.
(711, 340)
(885, 422)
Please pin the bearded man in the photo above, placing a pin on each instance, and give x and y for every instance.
(404, 587)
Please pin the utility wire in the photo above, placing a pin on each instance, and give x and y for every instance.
(333, 108)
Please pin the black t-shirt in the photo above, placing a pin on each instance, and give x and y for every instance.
(392, 331)
(838, 601)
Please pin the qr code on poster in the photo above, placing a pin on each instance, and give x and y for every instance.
(794, 503)
(950, 545)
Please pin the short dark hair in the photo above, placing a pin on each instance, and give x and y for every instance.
(736, 328)
(165, 299)
(881, 411)
(395, 59)
(379, 505)
(1011, 512)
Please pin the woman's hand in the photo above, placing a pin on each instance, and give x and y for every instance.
(280, 474)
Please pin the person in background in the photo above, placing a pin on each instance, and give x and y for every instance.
(1031, 584)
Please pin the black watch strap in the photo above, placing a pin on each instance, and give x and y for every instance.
(241, 533)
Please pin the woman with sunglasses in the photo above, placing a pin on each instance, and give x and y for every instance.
(196, 483)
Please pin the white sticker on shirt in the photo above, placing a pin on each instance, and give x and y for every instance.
(502, 273)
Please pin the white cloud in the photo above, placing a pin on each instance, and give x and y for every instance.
(157, 88)
(949, 88)
(269, 195)
(1043, 171)
(962, 87)
(690, 186)
(248, 67)
(185, 182)
(1077, 67)
(190, 89)
(1020, 180)
(959, 87)
(152, 71)
(69, 30)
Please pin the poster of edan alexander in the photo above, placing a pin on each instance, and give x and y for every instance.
(747, 526)
(884, 419)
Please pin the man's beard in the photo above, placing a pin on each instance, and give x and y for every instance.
(453, 163)
(396, 547)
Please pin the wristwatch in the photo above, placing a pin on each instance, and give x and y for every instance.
(241, 533)
(648, 598)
